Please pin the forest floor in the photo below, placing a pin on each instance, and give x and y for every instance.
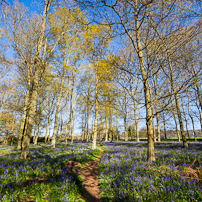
(88, 174)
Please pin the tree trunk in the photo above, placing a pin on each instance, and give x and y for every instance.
(38, 123)
(61, 126)
(30, 117)
(136, 121)
(110, 125)
(67, 124)
(178, 135)
(96, 113)
(154, 131)
(192, 120)
(150, 147)
(57, 112)
(53, 141)
(157, 114)
(34, 90)
(126, 129)
(72, 112)
(87, 128)
(22, 127)
(106, 128)
(164, 125)
(47, 130)
(72, 122)
(37, 131)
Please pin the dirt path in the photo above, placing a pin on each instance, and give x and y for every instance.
(91, 191)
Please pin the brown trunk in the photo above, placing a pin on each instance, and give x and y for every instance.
(22, 127)
(164, 125)
(136, 121)
(38, 123)
(157, 114)
(192, 120)
(67, 124)
(72, 122)
(106, 128)
(150, 147)
(87, 128)
(178, 135)
(96, 113)
(126, 129)
(72, 113)
(57, 111)
(53, 141)
(154, 132)
(110, 125)
(37, 131)
(61, 126)
(30, 117)
(47, 130)
(34, 90)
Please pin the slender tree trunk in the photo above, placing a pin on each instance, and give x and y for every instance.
(67, 124)
(37, 131)
(82, 127)
(22, 127)
(61, 126)
(72, 112)
(193, 125)
(53, 141)
(72, 122)
(117, 134)
(110, 125)
(34, 127)
(96, 114)
(158, 128)
(87, 128)
(164, 125)
(49, 137)
(178, 135)
(87, 116)
(131, 131)
(106, 128)
(192, 120)
(154, 132)
(38, 123)
(47, 125)
(157, 114)
(136, 121)
(187, 127)
(125, 126)
(57, 112)
(198, 91)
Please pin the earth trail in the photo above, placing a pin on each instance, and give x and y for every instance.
(91, 191)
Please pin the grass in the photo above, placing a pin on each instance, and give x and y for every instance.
(44, 177)
(125, 174)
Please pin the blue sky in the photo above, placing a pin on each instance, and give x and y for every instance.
(37, 5)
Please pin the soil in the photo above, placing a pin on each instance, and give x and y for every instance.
(91, 191)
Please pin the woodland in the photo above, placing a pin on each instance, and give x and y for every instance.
(82, 77)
